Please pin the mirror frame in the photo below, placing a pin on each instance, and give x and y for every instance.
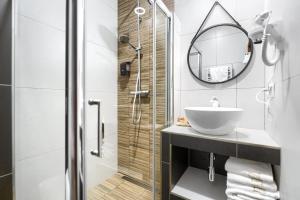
(211, 27)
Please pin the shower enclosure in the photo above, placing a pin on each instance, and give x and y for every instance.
(92, 90)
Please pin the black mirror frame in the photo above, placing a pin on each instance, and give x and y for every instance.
(211, 27)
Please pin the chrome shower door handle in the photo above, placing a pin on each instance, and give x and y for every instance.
(98, 151)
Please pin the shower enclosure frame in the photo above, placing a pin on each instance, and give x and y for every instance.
(75, 166)
(169, 84)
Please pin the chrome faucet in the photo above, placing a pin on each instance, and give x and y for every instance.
(215, 102)
(211, 169)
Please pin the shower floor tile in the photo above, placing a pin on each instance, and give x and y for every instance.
(118, 188)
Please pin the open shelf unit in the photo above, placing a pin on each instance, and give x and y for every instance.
(194, 185)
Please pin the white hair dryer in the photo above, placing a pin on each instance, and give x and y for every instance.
(265, 32)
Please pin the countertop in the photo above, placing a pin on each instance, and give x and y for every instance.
(253, 137)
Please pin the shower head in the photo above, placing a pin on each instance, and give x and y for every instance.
(139, 10)
(124, 39)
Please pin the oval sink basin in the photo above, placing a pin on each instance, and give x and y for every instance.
(213, 120)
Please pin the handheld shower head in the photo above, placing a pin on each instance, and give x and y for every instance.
(124, 39)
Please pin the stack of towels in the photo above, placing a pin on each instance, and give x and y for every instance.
(250, 180)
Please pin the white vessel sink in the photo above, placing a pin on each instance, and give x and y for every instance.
(213, 120)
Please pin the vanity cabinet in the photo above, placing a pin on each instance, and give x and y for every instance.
(185, 160)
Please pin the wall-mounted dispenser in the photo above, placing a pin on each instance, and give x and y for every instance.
(125, 68)
(266, 33)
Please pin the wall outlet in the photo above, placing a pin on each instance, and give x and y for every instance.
(271, 90)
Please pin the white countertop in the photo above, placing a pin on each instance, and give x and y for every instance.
(252, 137)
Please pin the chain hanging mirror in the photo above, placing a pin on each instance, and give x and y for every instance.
(221, 52)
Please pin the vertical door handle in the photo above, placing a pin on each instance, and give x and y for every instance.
(98, 151)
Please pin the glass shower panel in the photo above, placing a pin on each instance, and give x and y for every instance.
(118, 75)
(101, 95)
(163, 83)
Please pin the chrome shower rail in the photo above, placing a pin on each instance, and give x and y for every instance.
(75, 131)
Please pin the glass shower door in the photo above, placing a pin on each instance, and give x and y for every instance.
(101, 72)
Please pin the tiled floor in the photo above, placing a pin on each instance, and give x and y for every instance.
(118, 188)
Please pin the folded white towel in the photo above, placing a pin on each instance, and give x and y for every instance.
(267, 186)
(235, 192)
(243, 197)
(240, 197)
(252, 169)
(275, 195)
(219, 73)
(233, 197)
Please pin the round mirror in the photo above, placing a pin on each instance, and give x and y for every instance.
(220, 53)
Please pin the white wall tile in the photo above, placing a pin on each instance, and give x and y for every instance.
(51, 12)
(40, 121)
(197, 10)
(41, 178)
(176, 62)
(254, 75)
(253, 117)
(227, 98)
(282, 117)
(40, 55)
(112, 4)
(101, 21)
(284, 126)
(177, 105)
(101, 68)
(248, 9)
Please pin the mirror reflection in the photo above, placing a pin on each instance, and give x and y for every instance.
(220, 53)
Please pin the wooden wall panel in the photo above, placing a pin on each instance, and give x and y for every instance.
(135, 141)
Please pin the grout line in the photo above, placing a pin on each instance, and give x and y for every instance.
(265, 70)
(37, 88)
(103, 46)
(5, 85)
(194, 32)
(236, 95)
(3, 176)
(209, 89)
(41, 22)
(290, 78)
(40, 155)
(204, 89)
(111, 7)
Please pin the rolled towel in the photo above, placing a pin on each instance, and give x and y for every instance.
(242, 180)
(252, 169)
(233, 197)
(243, 197)
(240, 197)
(275, 195)
(235, 192)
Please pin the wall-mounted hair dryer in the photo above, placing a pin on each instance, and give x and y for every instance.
(265, 32)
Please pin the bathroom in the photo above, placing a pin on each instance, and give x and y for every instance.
(125, 99)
